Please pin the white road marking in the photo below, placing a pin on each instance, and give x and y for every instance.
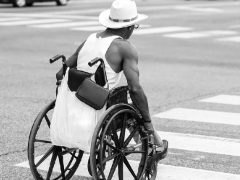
(67, 24)
(160, 30)
(193, 142)
(47, 15)
(208, 144)
(35, 21)
(231, 39)
(165, 172)
(220, 32)
(89, 28)
(201, 116)
(187, 35)
(197, 9)
(235, 26)
(223, 99)
(12, 19)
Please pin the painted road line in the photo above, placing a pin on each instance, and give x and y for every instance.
(230, 39)
(160, 30)
(235, 26)
(208, 144)
(47, 15)
(193, 142)
(187, 35)
(35, 21)
(223, 99)
(201, 116)
(165, 172)
(89, 28)
(66, 24)
(220, 32)
(12, 19)
(189, 8)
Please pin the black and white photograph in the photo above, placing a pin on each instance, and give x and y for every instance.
(120, 89)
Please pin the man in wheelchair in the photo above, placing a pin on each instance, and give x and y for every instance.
(119, 55)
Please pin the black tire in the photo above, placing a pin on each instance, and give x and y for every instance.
(69, 160)
(150, 172)
(19, 3)
(61, 2)
(114, 123)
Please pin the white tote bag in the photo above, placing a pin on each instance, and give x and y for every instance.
(73, 122)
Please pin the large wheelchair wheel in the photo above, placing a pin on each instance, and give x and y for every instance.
(42, 155)
(151, 171)
(114, 152)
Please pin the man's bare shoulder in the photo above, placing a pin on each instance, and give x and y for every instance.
(124, 47)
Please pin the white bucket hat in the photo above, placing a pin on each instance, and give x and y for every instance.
(123, 13)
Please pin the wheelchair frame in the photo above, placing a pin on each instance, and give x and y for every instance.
(109, 145)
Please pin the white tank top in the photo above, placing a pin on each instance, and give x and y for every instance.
(97, 47)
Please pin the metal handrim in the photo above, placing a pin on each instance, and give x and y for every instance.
(120, 157)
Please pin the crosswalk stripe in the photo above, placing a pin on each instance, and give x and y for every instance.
(67, 24)
(165, 172)
(220, 32)
(208, 144)
(193, 142)
(201, 116)
(223, 99)
(89, 28)
(235, 26)
(12, 19)
(47, 15)
(231, 39)
(36, 21)
(199, 9)
(160, 30)
(187, 35)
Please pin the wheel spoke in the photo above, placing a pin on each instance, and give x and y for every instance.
(130, 137)
(136, 152)
(47, 120)
(129, 167)
(111, 146)
(113, 168)
(110, 158)
(122, 135)
(73, 154)
(61, 165)
(54, 157)
(115, 136)
(46, 155)
(42, 141)
(120, 168)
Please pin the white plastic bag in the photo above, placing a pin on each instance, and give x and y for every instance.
(73, 122)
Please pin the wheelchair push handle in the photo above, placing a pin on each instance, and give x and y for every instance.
(64, 62)
(102, 68)
(94, 61)
(57, 57)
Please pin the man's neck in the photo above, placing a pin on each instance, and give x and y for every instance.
(118, 32)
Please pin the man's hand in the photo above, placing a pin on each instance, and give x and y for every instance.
(149, 127)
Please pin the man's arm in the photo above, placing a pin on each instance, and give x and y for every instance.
(130, 69)
(71, 62)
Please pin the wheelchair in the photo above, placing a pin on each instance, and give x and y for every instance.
(120, 148)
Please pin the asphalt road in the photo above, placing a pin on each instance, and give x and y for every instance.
(188, 52)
